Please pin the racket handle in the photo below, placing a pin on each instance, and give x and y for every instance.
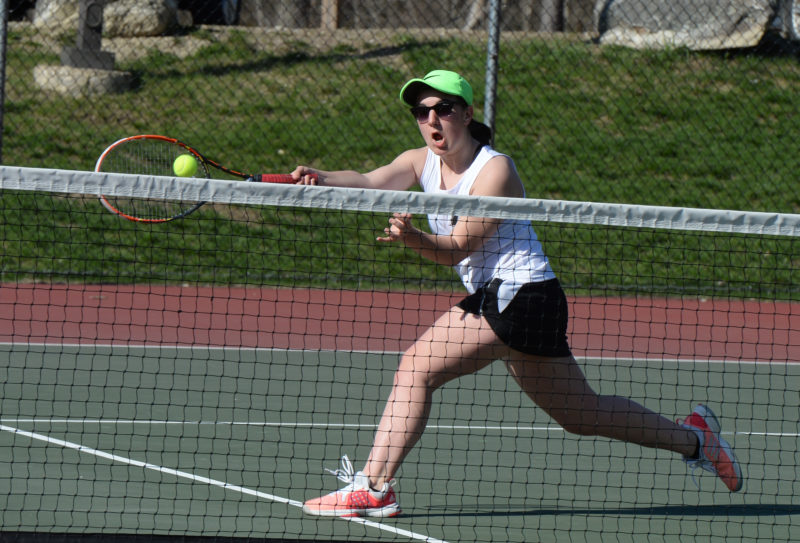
(275, 178)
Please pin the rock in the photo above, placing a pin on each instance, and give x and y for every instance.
(120, 17)
(695, 24)
(136, 18)
(81, 82)
(56, 16)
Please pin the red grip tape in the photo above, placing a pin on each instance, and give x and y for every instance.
(280, 178)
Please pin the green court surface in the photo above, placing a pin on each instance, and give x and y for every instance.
(229, 442)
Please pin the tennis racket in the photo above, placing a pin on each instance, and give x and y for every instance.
(155, 155)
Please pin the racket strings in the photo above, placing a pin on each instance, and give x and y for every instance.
(147, 157)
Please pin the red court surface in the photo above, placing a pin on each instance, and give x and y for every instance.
(660, 328)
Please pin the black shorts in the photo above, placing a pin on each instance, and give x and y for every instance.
(535, 321)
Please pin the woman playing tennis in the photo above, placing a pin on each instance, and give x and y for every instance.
(516, 310)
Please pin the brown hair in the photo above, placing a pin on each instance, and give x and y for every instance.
(480, 132)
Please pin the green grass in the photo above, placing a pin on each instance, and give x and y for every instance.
(582, 121)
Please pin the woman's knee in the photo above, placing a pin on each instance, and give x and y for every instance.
(578, 415)
(579, 428)
(415, 371)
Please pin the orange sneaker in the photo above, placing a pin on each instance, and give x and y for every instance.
(716, 454)
(357, 499)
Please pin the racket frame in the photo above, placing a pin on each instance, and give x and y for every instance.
(201, 159)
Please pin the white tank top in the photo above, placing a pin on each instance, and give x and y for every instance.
(513, 253)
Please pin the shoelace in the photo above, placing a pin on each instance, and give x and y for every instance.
(694, 465)
(346, 473)
(701, 462)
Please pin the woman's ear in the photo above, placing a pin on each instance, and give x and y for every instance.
(469, 111)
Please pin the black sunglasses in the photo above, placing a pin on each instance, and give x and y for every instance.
(442, 109)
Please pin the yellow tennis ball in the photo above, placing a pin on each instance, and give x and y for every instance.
(185, 166)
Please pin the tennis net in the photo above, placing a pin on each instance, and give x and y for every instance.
(194, 378)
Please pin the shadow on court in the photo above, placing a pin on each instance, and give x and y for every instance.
(737, 510)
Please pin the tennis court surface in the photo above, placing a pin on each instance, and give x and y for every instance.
(195, 379)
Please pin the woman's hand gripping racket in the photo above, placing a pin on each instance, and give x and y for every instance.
(160, 155)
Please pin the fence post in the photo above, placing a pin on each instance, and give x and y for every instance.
(492, 53)
(330, 14)
(551, 16)
(3, 41)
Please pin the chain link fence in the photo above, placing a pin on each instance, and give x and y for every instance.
(653, 102)
(679, 115)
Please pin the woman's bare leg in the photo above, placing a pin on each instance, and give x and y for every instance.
(559, 386)
(460, 344)
(457, 344)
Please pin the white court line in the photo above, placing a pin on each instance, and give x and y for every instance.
(200, 479)
(329, 425)
(224, 348)
(267, 424)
